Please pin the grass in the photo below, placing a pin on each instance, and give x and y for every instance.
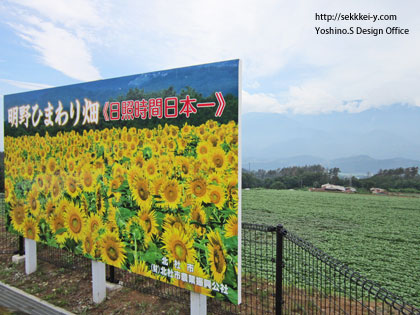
(378, 236)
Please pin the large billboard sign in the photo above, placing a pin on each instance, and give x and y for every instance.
(139, 172)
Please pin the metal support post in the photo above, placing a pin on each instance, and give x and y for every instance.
(280, 232)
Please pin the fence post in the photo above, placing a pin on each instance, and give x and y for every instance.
(280, 232)
(111, 278)
(21, 250)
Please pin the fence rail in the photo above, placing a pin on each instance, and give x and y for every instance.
(281, 273)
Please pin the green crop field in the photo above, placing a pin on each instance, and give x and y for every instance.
(378, 236)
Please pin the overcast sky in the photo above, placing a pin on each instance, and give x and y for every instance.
(287, 67)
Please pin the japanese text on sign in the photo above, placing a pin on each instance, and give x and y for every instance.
(159, 108)
(24, 115)
(176, 273)
(125, 110)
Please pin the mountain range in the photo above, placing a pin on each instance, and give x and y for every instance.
(357, 143)
(360, 166)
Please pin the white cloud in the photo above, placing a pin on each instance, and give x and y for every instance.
(351, 73)
(272, 37)
(59, 32)
(26, 85)
(261, 102)
(75, 13)
(59, 49)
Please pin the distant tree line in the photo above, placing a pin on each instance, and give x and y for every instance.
(296, 177)
(399, 179)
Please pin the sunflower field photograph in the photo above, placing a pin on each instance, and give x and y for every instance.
(143, 178)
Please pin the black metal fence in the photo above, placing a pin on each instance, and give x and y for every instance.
(281, 273)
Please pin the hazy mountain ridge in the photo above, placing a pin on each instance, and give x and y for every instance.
(356, 143)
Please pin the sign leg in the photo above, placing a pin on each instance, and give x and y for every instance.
(198, 304)
(98, 282)
(30, 256)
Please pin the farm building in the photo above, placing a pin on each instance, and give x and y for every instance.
(378, 191)
(331, 187)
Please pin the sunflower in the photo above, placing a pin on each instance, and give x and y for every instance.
(233, 199)
(112, 213)
(31, 229)
(232, 182)
(188, 200)
(231, 226)
(42, 166)
(8, 190)
(57, 223)
(112, 250)
(56, 191)
(148, 134)
(211, 124)
(42, 153)
(29, 171)
(151, 169)
(140, 189)
(178, 245)
(174, 131)
(201, 131)
(88, 244)
(99, 165)
(118, 172)
(112, 227)
(51, 166)
(232, 158)
(33, 202)
(149, 224)
(120, 154)
(218, 159)
(49, 208)
(87, 178)
(75, 222)
(72, 187)
(186, 130)
(198, 188)
(213, 140)
(94, 223)
(135, 229)
(170, 193)
(217, 196)
(203, 149)
(198, 218)
(115, 183)
(141, 268)
(18, 214)
(138, 161)
(40, 182)
(176, 222)
(171, 145)
(48, 179)
(199, 166)
(184, 165)
(157, 183)
(99, 201)
(182, 144)
(217, 256)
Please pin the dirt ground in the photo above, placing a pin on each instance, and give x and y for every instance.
(72, 290)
